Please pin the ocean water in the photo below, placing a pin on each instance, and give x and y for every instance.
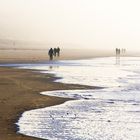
(111, 113)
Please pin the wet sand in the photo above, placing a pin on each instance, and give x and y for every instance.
(19, 92)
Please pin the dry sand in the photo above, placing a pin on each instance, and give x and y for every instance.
(19, 92)
(27, 56)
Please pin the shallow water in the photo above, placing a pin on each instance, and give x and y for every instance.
(112, 113)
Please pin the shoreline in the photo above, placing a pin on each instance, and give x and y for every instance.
(20, 91)
(44, 60)
(16, 129)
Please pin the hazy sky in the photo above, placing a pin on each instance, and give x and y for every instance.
(91, 23)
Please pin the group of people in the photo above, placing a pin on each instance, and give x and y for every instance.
(119, 51)
(54, 52)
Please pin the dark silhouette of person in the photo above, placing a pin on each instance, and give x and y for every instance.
(58, 51)
(55, 51)
(118, 51)
(50, 53)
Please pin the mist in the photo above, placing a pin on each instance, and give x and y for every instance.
(79, 24)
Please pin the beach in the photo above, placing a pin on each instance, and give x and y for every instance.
(69, 70)
(72, 99)
(19, 92)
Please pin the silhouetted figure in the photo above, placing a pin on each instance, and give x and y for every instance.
(50, 53)
(58, 51)
(123, 51)
(55, 51)
(118, 51)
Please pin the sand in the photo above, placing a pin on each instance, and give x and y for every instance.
(19, 92)
(30, 55)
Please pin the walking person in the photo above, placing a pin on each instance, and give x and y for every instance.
(58, 51)
(50, 53)
(54, 51)
(118, 52)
